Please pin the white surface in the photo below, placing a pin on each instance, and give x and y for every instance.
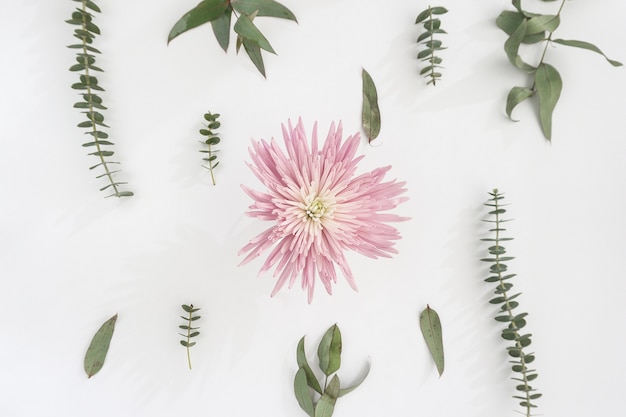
(70, 259)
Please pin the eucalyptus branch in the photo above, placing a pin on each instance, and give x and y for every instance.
(516, 322)
(211, 140)
(432, 26)
(92, 103)
(524, 27)
(190, 331)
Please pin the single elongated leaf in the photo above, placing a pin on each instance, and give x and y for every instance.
(543, 23)
(329, 350)
(303, 393)
(515, 97)
(548, 84)
(99, 346)
(326, 405)
(370, 114)
(249, 31)
(431, 330)
(254, 52)
(304, 364)
(344, 391)
(205, 11)
(264, 8)
(511, 47)
(509, 20)
(588, 46)
(221, 28)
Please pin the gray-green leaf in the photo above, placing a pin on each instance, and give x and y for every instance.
(248, 30)
(511, 47)
(326, 405)
(303, 394)
(264, 8)
(205, 11)
(431, 330)
(542, 23)
(515, 97)
(588, 46)
(548, 84)
(304, 364)
(99, 346)
(329, 351)
(370, 114)
(221, 28)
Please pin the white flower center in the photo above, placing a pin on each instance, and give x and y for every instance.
(316, 209)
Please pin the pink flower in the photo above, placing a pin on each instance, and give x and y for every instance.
(318, 208)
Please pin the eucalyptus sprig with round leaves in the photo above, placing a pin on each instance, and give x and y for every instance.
(91, 104)
(508, 302)
(306, 385)
(191, 331)
(524, 27)
(211, 140)
(432, 27)
(220, 13)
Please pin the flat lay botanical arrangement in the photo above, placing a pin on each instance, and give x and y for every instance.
(322, 201)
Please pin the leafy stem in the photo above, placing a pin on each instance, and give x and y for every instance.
(499, 275)
(190, 331)
(211, 140)
(432, 26)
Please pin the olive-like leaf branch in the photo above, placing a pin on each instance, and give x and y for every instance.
(91, 103)
(211, 140)
(499, 275)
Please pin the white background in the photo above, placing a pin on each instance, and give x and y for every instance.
(70, 259)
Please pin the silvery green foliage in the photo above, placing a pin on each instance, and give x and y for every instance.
(211, 140)
(91, 104)
(508, 302)
(190, 331)
(524, 27)
(432, 27)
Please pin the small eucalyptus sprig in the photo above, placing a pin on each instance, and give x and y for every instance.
(191, 331)
(525, 27)
(516, 321)
(432, 26)
(91, 103)
(219, 13)
(306, 384)
(211, 140)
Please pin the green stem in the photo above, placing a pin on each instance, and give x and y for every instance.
(507, 305)
(189, 336)
(549, 39)
(91, 110)
(432, 38)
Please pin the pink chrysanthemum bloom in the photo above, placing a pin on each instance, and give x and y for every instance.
(318, 208)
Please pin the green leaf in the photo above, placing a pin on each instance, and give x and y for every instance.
(370, 113)
(509, 20)
(329, 350)
(249, 31)
(99, 346)
(304, 364)
(205, 11)
(254, 52)
(588, 46)
(548, 84)
(303, 394)
(326, 404)
(511, 47)
(431, 330)
(263, 8)
(221, 28)
(542, 23)
(344, 391)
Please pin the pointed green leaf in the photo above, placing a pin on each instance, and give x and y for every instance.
(254, 52)
(370, 113)
(588, 46)
(511, 47)
(249, 31)
(344, 391)
(542, 23)
(329, 351)
(548, 84)
(264, 8)
(326, 405)
(515, 97)
(99, 346)
(205, 11)
(508, 21)
(221, 28)
(304, 364)
(303, 394)
(431, 330)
